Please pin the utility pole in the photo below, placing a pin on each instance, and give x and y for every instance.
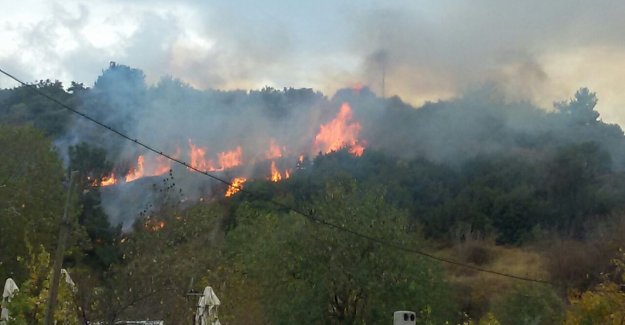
(60, 251)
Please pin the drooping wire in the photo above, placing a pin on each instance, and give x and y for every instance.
(305, 214)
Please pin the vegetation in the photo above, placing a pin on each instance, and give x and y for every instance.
(502, 186)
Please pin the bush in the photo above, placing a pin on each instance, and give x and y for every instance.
(531, 304)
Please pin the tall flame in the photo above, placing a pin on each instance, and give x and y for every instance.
(198, 159)
(340, 133)
(237, 185)
(275, 173)
(137, 172)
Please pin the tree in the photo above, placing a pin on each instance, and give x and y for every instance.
(31, 195)
(571, 181)
(581, 109)
(316, 274)
(605, 304)
(29, 305)
(534, 304)
(23, 107)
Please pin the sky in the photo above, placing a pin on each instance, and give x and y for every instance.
(537, 51)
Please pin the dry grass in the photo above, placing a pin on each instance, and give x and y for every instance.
(477, 290)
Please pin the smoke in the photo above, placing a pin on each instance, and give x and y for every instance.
(480, 74)
(174, 118)
(533, 50)
(440, 51)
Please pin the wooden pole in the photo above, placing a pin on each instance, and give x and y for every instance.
(60, 251)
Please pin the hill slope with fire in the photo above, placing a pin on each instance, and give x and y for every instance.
(499, 184)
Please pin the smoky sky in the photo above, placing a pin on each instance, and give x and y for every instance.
(538, 51)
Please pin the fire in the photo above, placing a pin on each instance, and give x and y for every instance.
(275, 173)
(226, 159)
(154, 167)
(108, 180)
(274, 150)
(237, 185)
(198, 159)
(137, 172)
(340, 133)
(357, 149)
(154, 225)
(230, 159)
(276, 176)
(160, 166)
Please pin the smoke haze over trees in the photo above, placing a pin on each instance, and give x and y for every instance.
(479, 177)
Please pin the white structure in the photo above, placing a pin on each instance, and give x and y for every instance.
(69, 281)
(10, 288)
(403, 317)
(207, 308)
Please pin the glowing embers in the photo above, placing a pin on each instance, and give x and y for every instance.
(237, 185)
(152, 224)
(340, 133)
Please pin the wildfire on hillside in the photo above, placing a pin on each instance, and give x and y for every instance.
(341, 132)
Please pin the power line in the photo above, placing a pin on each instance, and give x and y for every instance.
(279, 204)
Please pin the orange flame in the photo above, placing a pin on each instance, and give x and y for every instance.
(108, 180)
(276, 176)
(159, 166)
(137, 172)
(274, 150)
(340, 133)
(227, 159)
(154, 167)
(237, 185)
(275, 173)
(198, 159)
(230, 159)
(153, 225)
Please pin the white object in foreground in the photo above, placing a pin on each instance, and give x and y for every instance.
(207, 308)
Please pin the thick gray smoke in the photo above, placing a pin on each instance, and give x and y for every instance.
(172, 117)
